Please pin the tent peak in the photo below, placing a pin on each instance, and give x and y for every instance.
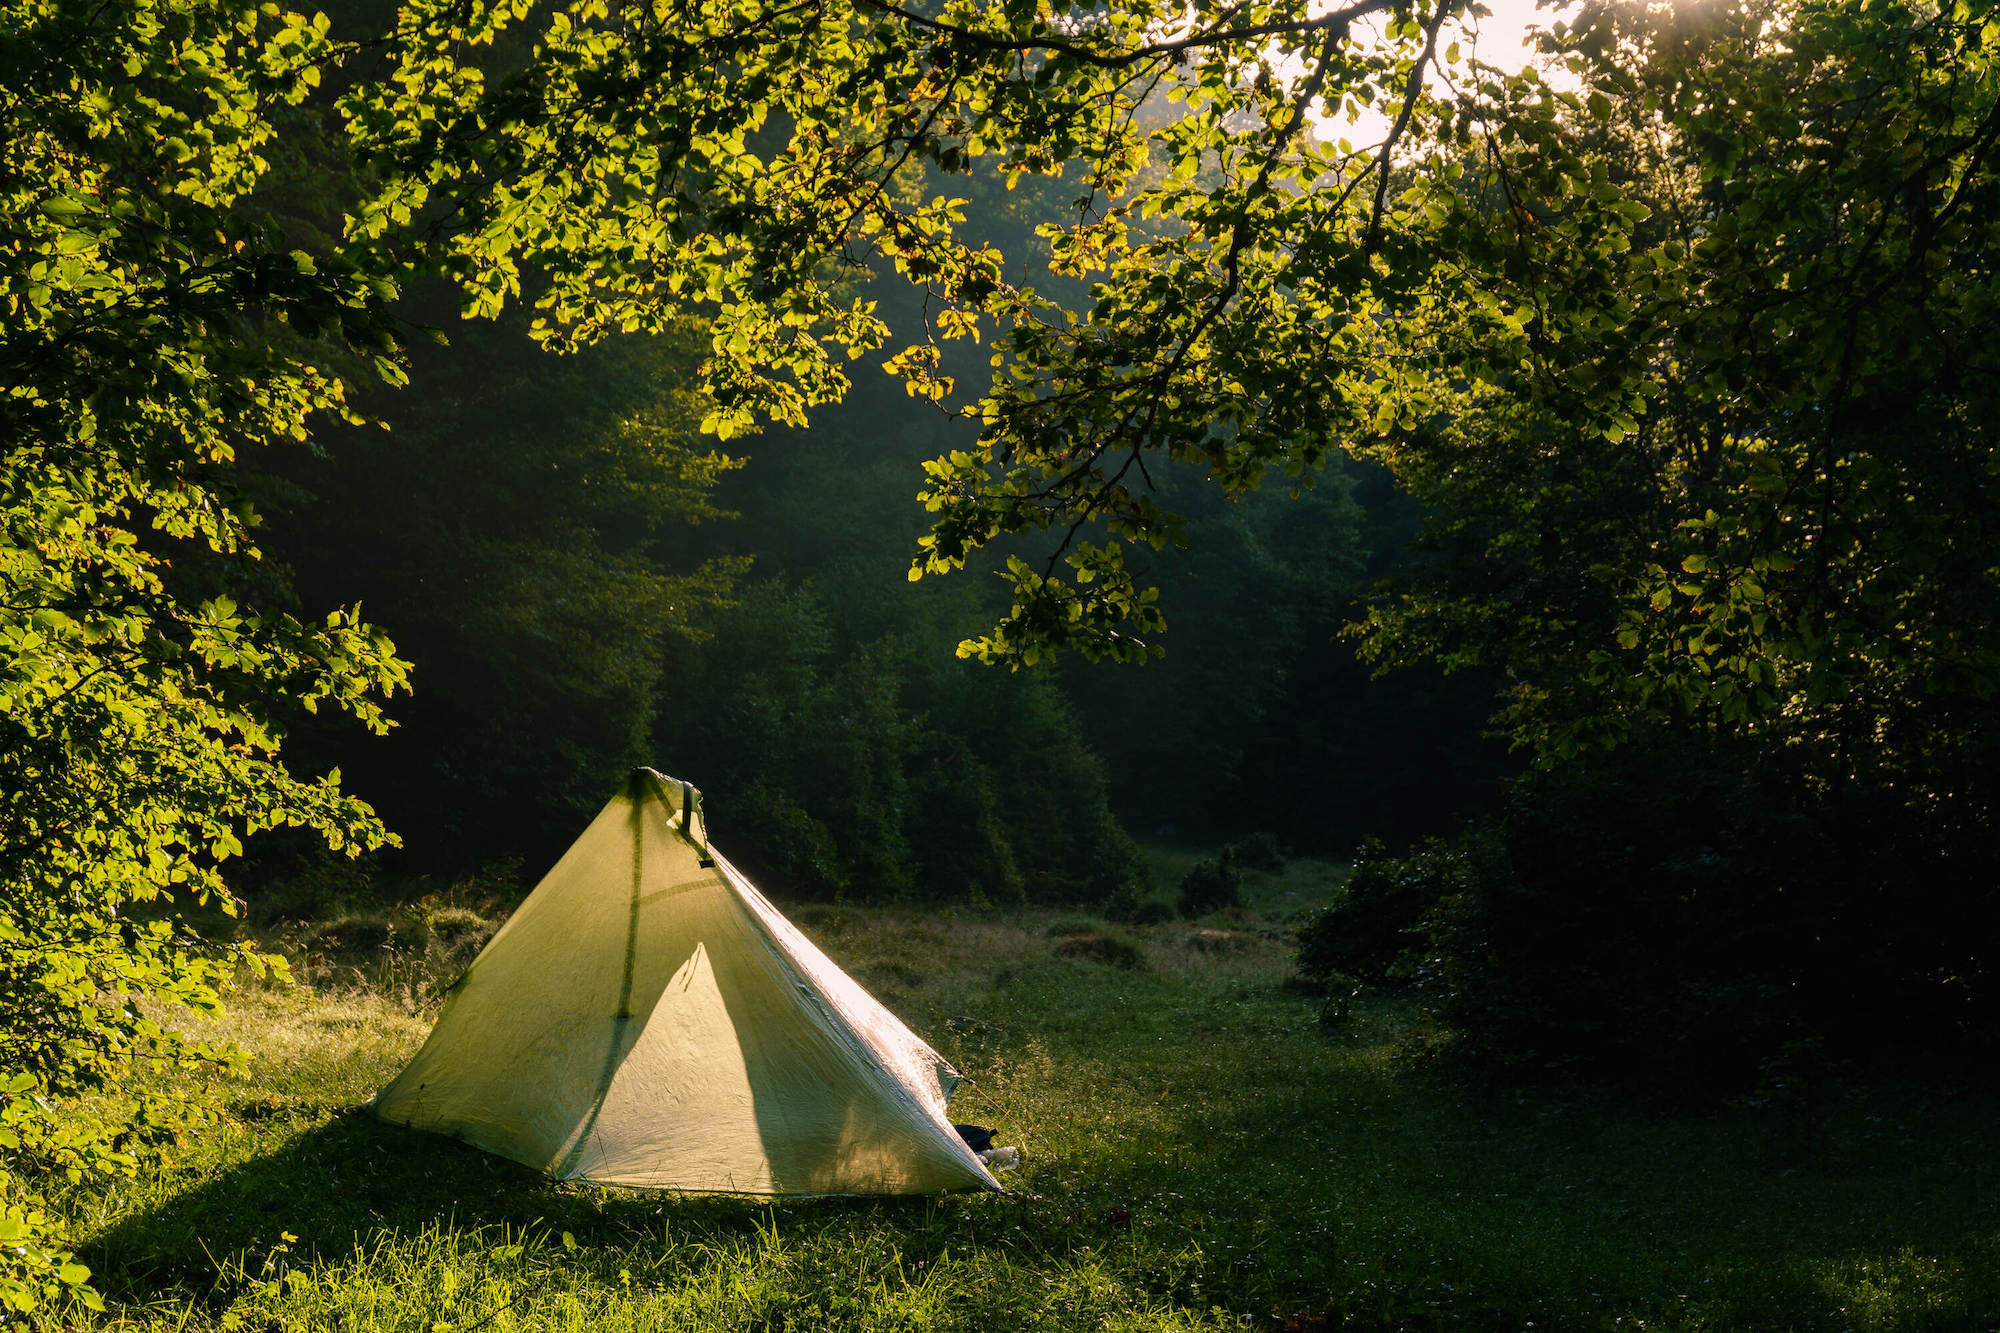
(683, 801)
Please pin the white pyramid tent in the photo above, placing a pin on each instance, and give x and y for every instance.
(647, 1018)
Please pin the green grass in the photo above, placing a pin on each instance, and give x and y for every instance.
(1200, 1154)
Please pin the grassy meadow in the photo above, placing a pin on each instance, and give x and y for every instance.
(1201, 1152)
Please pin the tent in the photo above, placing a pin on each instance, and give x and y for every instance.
(647, 1018)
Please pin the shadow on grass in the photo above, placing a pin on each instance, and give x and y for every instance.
(1316, 1177)
(337, 1185)
(1419, 1204)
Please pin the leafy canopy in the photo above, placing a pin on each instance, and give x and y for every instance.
(747, 160)
(1708, 427)
(150, 333)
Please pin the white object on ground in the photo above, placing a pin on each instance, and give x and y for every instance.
(1001, 1159)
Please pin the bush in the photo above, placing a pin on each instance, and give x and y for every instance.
(1372, 926)
(1677, 914)
(1638, 916)
(1127, 908)
(1211, 886)
(1259, 851)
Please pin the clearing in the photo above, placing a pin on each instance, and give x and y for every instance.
(1201, 1153)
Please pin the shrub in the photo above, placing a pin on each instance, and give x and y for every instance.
(1210, 886)
(1678, 914)
(1121, 905)
(1259, 851)
(1127, 906)
(1641, 915)
(1372, 924)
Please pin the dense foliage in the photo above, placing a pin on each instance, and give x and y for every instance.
(1372, 931)
(1271, 722)
(584, 585)
(873, 769)
(150, 333)
(1686, 932)
(1712, 448)
(1716, 490)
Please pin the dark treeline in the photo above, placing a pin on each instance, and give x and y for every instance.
(584, 583)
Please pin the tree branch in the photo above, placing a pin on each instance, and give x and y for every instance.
(1339, 19)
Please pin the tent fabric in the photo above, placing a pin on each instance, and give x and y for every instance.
(647, 1018)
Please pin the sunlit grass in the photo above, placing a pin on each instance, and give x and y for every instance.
(1200, 1154)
